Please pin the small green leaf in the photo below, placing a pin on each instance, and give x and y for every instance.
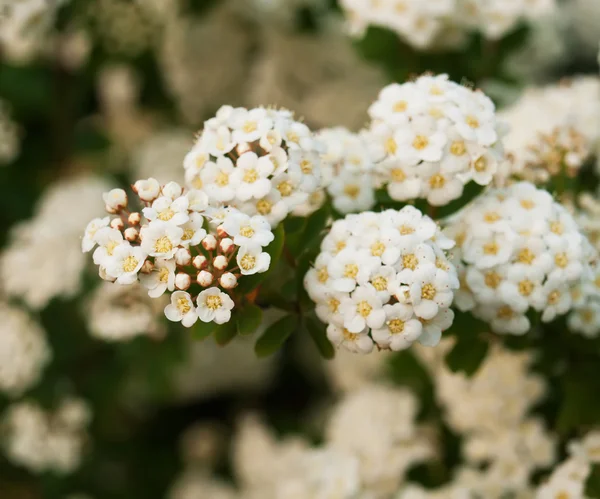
(294, 224)
(202, 330)
(471, 191)
(249, 319)
(467, 355)
(225, 332)
(248, 283)
(317, 332)
(592, 485)
(275, 335)
(313, 231)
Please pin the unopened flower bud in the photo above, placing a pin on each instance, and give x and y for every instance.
(200, 262)
(220, 262)
(147, 190)
(209, 242)
(172, 190)
(115, 200)
(228, 280)
(183, 256)
(134, 218)
(117, 223)
(182, 281)
(131, 234)
(221, 232)
(204, 278)
(147, 267)
(226, 245)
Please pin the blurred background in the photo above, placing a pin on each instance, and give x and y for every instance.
(107, 400)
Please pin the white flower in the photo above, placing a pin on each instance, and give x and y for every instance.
(352, 192)
(586, 319)
(251, 176)
(197, 200)
(161, 239)
(161, 279)
(89, 238)
(421, 141)
(181, 309)
(193, 233)
(354, 342)
(214, 305)
(168, 210)
(430, 291)
(217, 180)
(148, 190)
(108, 239)
(115, 200)
(251, 259)
(400, 329)
(248, 230)
(350, 268)
(361, 310)
(172, 190)
(433, 328)
(250, 125)
(125, 263)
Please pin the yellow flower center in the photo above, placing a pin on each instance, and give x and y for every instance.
(350, 336)
(340, 245)
(491, 217)
(163, 245)
(249, 127)
(492, 279)
(391, 146)
(526, 287)
(441, 264)
(458, 148)
(436, 112)
(491, 248)
(377, 248)
(166, 215)
(213, 302)
(553, 297)
(398, 175)
(183, 304)
(322, 275)
(351, 190)
(405, 230)
(246, 231)
(110, 247)
(472, 121)
(400, 106)
(420, 142)
(293, 137)
(561, 260)
(333, 305)
(306, 166)
(130, 263)
(197, 182)
(395, 326)
(436, 90)
(528, 204)
(410, 261)
(222, 179)
(351, 271)
(480, 164)
(557, 228)
(428, 292)
(163, 275)
(505, 312)
(250, 176)
(285, 188)
(247, 262)
(188, 234)
(437, 181)
(380, 283)
(525, 256)
(363, 308)
(264, 207)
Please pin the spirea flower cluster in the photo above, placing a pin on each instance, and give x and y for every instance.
(349, 170)
(261, 161)
(431, 137)
(518, 250)
(423, 24)
(383, 278)
(167, 248)
(44, 441)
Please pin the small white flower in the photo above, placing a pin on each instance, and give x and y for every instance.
(586, 319)
(125, 263)
(251, 259)
(218, 181)
(400, 329)
(89, 238)
(115, 200)
(148, 190)
(161, 279)
(272, 207)
(193, 233)
(362, 309)
(214, 305)
(430, 291)
(350, 268)
(251, 176)
(354, 342)
(248, 230)
(250, 125)
(161, 239)
(181, 309)
(108, 239)
(168, 210)
(197, 200)
(172, 190)
(421, 141)
(433, 328)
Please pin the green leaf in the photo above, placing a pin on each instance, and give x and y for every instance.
(471, 191)
(275, 335)
(202, 330)
(467, 355)
(317, 331)
(225, 332)
(249, 319)
(312, 234)
(294, 224)
(592, 485)
(248, 283)
(580, 405)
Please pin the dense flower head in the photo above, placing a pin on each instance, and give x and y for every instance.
(383, 278)
(261, 161)
(349, 169)
(423, 24)
(518, 250)
(167, 248)
(431, 137)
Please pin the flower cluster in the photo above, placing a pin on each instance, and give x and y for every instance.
(349, 170)
(24, 351)
(431, 137)
(47, 441)
(423, 24)
(553, 130)
(383, 278)
(518, 250)
(167, 248)
(260, 161)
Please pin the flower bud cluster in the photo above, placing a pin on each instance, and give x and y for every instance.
(383, 278)
(431, 137)
(178, 244)
(260, 161)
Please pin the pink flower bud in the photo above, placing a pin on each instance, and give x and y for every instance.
(226, 245)
(200, 262)
(183, 256)
(221, 232)
(172, 190)
(204, 278)
(182, 281)
(147, 190)
(131, 234)
(220, 262)
(134, 218)
(209, 242)
(228, 280)
(115, 200)
(117, 223)
(147, 267)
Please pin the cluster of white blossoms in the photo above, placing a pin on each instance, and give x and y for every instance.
(431, 137)
(553, 130)
(9, 136)
(423, 24)
(24, 351)
(348, 170)
(167, 248)
(261, 161)
(43, 441)
(383, 278)
(518, 250)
